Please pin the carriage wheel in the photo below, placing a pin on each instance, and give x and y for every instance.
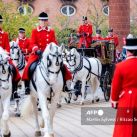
(106, 85)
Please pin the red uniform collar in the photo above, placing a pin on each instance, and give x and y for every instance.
(22, 38)
(39, 28)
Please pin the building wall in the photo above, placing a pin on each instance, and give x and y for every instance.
(52, 7)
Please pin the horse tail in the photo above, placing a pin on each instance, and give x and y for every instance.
(27, 107)
(95, 83)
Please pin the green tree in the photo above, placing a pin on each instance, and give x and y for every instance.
(13, 20)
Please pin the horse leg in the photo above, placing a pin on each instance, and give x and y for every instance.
(17, 108)
(53, 105)
(59, 102)
(73, 90)
(83, 92)
(5, 116)
(35, 110)
(45, 115)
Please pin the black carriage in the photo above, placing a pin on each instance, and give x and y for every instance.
(105, 52)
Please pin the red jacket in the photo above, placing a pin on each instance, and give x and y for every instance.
(24, 44)
(124, 91)
(114, 39)
(41, 37)
(4, 41)
(87, 29)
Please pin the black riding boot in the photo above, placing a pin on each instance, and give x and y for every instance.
(14, 90)
(27, 88)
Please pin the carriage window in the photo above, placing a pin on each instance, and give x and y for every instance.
(68, 10)
(105, 10)
(25, 9)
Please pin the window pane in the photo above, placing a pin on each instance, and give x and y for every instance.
(71, 10)
(64, 10)
(68, 10)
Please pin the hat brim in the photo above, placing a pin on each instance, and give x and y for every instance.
(21, 31)
(43, 18)
(130, 47)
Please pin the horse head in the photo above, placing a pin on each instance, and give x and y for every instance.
(14, 51)
(73, 58)
(4, 70)
(17, 55)
(52, 58)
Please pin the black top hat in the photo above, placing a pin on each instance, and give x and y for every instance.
(84, 18)
(110, 30)
(21, 30)
(43, 16)
(98, 31)
(131, 44)
(1, 19)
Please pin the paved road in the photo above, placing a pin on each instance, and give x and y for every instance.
(67, 123)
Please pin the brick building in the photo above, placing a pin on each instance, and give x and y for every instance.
(63, 12)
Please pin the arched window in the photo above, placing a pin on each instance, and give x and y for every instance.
(25, 9)
(105, 10)
(68, 10)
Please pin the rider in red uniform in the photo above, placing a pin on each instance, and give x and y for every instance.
(112, 37)
(23, 43)
(4, 43)
(98, 36)
(85, 33)
(41, 36)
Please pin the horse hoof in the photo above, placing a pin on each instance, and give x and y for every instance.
(17, 115)
(92, 101)
(82, 103)
(42, 124)
(75, 99)
(7, 135)
(97, 100)
(37, 133)
(39, 109)
(69, 102)
(58, 105)
(49, 135)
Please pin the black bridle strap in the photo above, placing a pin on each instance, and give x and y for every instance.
(43, 75)
(54, 72)
(90, 70)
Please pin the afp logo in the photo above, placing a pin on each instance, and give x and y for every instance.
(99, 112)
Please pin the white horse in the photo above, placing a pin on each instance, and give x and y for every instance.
(5, 92)
(47, 82)
(84, 69)
(18, 59)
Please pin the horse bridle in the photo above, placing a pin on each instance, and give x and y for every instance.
(49, 62)
(70, 59)
(46, 69)
(4, 71)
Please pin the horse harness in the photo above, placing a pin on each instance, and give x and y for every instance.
(42, 69)
(21, 65)
(80, 66)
